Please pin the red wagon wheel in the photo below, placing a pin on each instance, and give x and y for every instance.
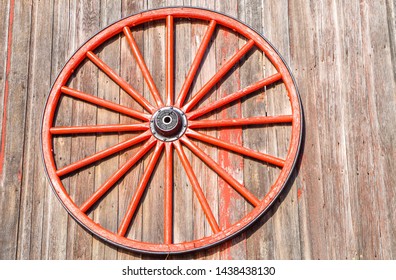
(171, 127)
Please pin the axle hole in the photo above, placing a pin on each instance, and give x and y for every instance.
(167, 120)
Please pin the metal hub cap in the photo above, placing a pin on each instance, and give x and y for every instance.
(168, 124)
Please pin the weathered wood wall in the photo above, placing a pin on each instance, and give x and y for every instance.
(341, 201)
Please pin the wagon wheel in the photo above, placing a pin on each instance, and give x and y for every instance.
(168, 127)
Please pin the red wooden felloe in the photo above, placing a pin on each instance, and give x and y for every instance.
(168, 128)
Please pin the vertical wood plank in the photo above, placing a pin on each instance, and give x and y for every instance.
(61, 52)
(286, 243)
(39, 239)
(152, 204)
(208, 179)
(65, 117)
(13, 124)
(336, 224)
(303, 19)
(106, 211)
(57, 220)
(131, 72)
(260, 241)
(5, 25)
(226, 46)
(85, 21)
(345, 195)
(7, 22)
(386, 129)
(378, 89)
(391, 23)
(183, 203)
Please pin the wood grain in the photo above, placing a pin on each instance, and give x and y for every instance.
(286, 215)
(208, 178)
(183, 206)
(110, 11)
(131, 72)
(153, 202)
(13, 132)
(60, 53)
(260, 243)
(84, 21)
(231, 205)
(304, 67)
(39, 208)
(7, 23)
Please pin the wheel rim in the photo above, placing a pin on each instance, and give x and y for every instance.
(178, 137)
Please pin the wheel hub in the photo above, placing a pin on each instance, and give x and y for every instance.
(168, 124)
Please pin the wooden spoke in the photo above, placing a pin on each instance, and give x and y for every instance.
(140, 190)
(218, 76)
(120, 81)
(105, 104)
(117, 175)
(196, 63)
(168, 205)
(64, 130)
(143, 67)
(240, 122)
(102, 154)
(242, 190)
(236, 148)
(169, 60)
(197, 188)
(234, 96)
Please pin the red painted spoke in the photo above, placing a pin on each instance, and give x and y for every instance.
(242, 190)
(218, 76)
(98, 128)
(143, 67)
(196, 63)
(236, 148)
(103, 154)
(196, 187)
(234, 96)
(169, 60)
(168, 208)
(140, 190)
(240, 122)
(120, 81)
(117, 175)
(105, 104)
